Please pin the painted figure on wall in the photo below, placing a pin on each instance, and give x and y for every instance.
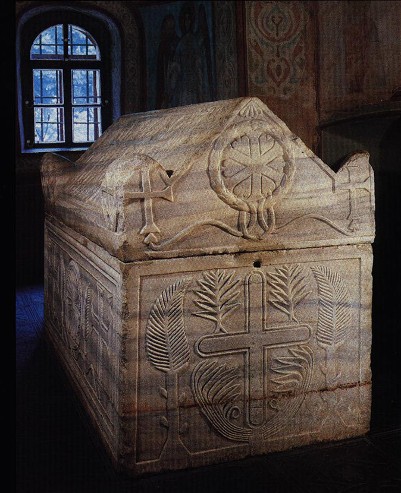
(184, 63)
(168, 43)
(362, 48)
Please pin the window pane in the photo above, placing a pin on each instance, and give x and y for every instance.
(48, 86)
(86, 124)
(49, 44)
(49, 125)
(81, 44)
(86, 87)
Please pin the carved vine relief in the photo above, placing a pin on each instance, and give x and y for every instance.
(258, 398)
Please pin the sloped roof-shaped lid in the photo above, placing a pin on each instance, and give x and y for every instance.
(218, 177)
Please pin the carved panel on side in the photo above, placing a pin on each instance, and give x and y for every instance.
(82, 323)
(234, 354)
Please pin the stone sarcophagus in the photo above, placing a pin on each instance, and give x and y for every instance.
(208, 286)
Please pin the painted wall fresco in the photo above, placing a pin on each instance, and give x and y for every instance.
(281, 67)
(360, 53)
(179, 47)
(276, 42)
(226, 50)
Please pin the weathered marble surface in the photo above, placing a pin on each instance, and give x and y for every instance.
(247, 333)
(218, 177)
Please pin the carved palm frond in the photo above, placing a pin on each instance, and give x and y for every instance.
(287, 288)
(290, 371)
(217, 296)
(216, 388)
(304, 367)
(334, 313)
(166, 342)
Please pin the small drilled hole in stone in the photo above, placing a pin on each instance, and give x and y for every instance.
(257, 264)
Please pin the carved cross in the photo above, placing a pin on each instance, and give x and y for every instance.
(354, 184)
(255, 342)
(255, 159)
(150, 228)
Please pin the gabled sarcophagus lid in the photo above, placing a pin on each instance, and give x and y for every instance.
(218, 177)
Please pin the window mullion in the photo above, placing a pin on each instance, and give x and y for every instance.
(67, 103)
(96, 108)
(28, 109)
(61, 117)
(67, 88)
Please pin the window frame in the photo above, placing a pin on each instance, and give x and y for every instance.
(109, 73)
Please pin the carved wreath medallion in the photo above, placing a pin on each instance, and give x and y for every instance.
(251, 170)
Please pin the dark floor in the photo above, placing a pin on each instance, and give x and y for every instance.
(57, 451)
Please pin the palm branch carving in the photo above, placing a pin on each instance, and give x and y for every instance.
(287, 289)
(334, 314)
(168, 351)
(166, 342)
(217, 297)
(299, 367)
(215, 388)
(290, 371)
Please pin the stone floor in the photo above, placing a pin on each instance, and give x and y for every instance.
(57, 452)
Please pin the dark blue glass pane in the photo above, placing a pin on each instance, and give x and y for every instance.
(49, 125)
(86, 124)
(86, 87)
(47, 85)
(49, 43)
(81, 43)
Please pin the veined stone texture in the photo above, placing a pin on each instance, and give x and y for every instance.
(218, 177)
(209, 290)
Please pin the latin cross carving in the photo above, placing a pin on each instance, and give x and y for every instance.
(255, 342)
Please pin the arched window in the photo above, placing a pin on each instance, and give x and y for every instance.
(67, 98)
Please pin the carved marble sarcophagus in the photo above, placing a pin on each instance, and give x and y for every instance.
(208, 286)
